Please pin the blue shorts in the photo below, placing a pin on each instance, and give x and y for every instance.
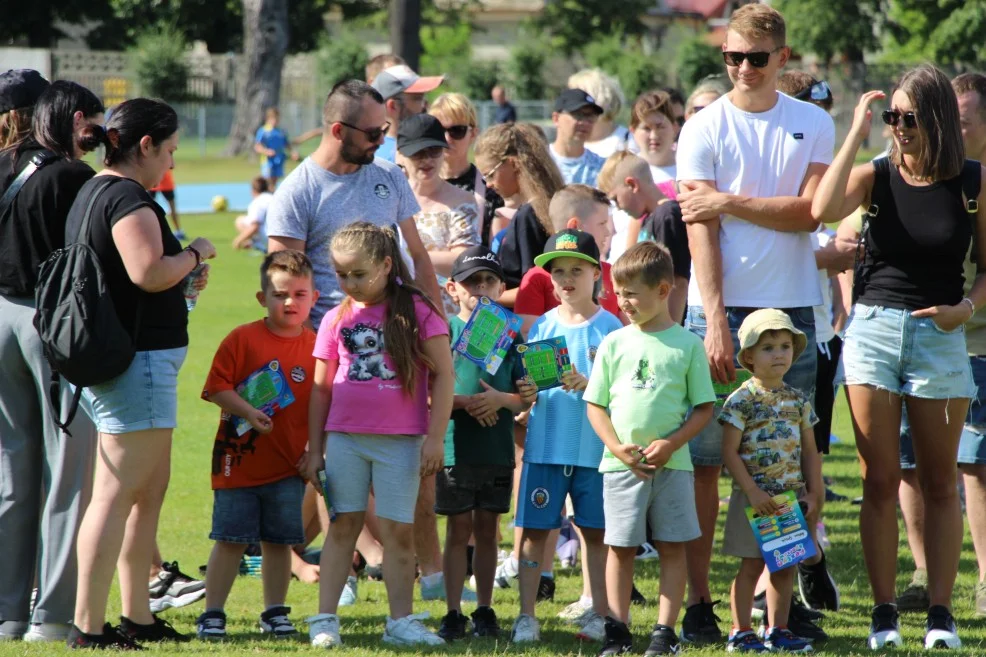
(706, 447)
(144, 397)
(269, 513)
(888, 349)
(544, 487)
(270, 170)
(972, 444)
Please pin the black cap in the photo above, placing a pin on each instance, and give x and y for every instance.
(569, 243)
(418, 132)
(474, 259)
(19, 88)
(572, 100)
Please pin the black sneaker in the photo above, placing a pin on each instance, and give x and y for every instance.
(173, 588)
(663, 641)
(484, 623)
(453, 626)
(636, 597)
(275, 622)
(618, 641)
(701, 625)
(211, 626)
(111, 638)
(801, 624)
(158, 631)
(546, 589)
(374, 573)
(941, 631)
(816, 586)
(832, 496)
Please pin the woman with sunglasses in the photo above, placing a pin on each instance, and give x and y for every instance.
(458, 117)
(905, 341)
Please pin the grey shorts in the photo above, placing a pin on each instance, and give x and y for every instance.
(464, 488)
(392, 464)
(738, 539)
(666, 502)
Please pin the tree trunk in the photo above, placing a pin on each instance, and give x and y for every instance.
(258, 86)
(405, 30)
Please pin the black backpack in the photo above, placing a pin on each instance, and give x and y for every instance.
(81, 335)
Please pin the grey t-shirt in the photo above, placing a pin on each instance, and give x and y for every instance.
(311, 204)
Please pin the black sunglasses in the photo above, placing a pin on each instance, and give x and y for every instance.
(756, 59)
(893, 117)
(457, 132)
(373, 134)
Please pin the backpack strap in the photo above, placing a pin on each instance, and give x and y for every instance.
(972, 182)
(881, 192)
(38, 160)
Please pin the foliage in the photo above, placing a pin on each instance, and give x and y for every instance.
(158, 59)
(37, 22)
(479, 79)
(944, 32)
(695, 60)
(570, 24)
(525, 68)
(626, 60)
(340, 57)
(832, 29)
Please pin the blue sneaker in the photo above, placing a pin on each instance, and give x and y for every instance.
(780, 639)
(745, 641)
(348, 596)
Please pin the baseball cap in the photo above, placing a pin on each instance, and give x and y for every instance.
(418, 132)
(20, 87)
(572, 100)
(397, 79)
(474, 259)
(569, 243)
(768, 319)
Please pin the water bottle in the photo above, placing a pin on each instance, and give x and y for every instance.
(324, 489)
(188, 287)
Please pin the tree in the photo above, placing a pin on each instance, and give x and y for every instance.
(626, 60)
(265, 24)
(570, 24)
(525, 69)
(36, 21)
(340, 57)
(405, 30)
(833, 29)
(945, 32)
(695, 60)
(159, 62)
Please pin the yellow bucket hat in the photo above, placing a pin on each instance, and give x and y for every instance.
(768, 319)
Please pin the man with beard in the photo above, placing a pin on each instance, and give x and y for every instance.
(341, 183)
(403, 92)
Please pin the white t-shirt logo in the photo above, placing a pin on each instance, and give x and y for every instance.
(381, 190)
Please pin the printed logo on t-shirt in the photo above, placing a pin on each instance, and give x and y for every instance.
(644, 377)
(540, 497)
(365, 343)
(799, 135)
(298, 374)
(592, 352)
(381, 190)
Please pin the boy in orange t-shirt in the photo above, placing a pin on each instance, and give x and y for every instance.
(255, 476)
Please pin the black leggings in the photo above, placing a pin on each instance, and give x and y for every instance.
(825, 392)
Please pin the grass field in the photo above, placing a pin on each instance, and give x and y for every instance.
(183, 536)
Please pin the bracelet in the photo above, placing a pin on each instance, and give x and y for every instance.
(972, 306)
(195, 252)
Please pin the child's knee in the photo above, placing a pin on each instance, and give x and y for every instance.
(484, 526)
(397, 535)
(670, 552)
(346, 526)
(594, 537)
(623, 554)
(750, 569)
(459, 528)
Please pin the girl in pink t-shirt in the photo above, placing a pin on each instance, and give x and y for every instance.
(379, 356)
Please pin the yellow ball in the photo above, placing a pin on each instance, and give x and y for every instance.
(220, 203)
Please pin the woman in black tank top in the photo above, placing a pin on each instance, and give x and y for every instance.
(905, 341)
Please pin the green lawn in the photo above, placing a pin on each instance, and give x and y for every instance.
(186, 520)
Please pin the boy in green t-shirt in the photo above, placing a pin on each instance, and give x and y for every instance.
(650, 392)
(476, 483)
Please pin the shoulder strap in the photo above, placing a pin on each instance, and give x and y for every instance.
(98, 189)
(38, 160)
(971, 185)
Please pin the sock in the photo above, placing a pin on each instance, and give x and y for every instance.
(219, 609)
(434, 579)
(273, 607)
(586, 600)
(549, 575)
(920, 577)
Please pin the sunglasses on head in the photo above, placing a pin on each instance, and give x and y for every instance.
(373, 134)
(757, 59)
(457, 132)
(892, 117)
(819, 91)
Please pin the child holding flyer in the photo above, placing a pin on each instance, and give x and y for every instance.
(768, 445)
(562, 452)
(380, 354)
(649, 394)
(258, 492)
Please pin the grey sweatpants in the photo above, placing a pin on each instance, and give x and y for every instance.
(45, 477)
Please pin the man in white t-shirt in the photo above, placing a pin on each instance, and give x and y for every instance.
(748, 165)
(575, 114)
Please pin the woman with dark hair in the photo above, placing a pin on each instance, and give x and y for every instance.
(44, 474)
(135, 413)
(905, 341)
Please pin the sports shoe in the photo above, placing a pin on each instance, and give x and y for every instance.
(173, 588)
(546, 589)
(211, 625)
(13, 630)
(410, 631)
(594, 629)
(817, 587)
(941, 629)
(506, 574)
(700, 624)
(759, 610)
(110, 638)
(349, 591)
(885, 628)
(574, 614)
(781, 639)
(525, 630)
(275, 621)
(41, 632)
(636, 597)
(801, 623)
(618, 640)
(484, 623)
(663, 641)
(914, 598)
(832, 496)
(745, 641)
(645, 552)
(454, 626)
(374, 572)
(158, 631)
(323, 630)
(436, 591)
(980, 599)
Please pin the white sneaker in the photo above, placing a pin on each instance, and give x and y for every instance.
(410, 631)
(349, 592)
(525, 630)
(573, 613)
(941, 632)
(47, 632)
(648, 552)
(506, 574)
(885, 628)
(323, 630)
(593, 630)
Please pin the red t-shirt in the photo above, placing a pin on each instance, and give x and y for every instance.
(254, 459)
(536, 294)
(167, 183)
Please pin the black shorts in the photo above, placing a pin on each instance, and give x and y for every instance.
(464, 488)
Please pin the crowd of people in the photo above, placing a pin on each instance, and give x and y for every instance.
(709, 315)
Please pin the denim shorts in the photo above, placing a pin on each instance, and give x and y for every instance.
(269, 513)
(972, 444)
(144, 397)
(888, 349)
(706, 447)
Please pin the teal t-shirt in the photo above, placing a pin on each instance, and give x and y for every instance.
(649, 382)
(467, 442)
